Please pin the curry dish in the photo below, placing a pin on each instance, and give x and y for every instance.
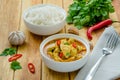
(65, 49)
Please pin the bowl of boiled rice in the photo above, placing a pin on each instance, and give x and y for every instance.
(44, 19)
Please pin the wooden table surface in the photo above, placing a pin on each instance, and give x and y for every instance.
(11, 20)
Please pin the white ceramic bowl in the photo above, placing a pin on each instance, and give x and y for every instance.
(64, 66)
(44, 29)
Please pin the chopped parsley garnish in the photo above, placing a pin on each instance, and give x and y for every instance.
(15, 65)
(8, 51)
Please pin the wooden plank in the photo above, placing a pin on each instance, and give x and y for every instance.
(9, 21)
(30, 49)
(48, 74)
(82, 34)
(55, 2)
(66, 4)
(116, 16)
(116, 4)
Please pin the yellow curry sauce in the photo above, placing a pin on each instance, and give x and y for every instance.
(65, 49)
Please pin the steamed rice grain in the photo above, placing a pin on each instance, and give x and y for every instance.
(45, 15)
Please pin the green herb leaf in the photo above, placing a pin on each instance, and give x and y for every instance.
(66, 43)
(8, 51)
(67, 54)
(88, 12)
(15, 65)
(69, 19)
(79, 26)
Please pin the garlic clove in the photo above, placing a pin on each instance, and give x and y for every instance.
(16, 38)
(21, 37)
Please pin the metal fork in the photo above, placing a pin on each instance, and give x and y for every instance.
(108, 49)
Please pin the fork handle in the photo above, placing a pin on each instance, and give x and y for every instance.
(94, 69)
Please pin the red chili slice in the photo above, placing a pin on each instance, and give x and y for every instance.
(58, 42)
(74, 45)
(61, 54)
(14, 57)
(31, 67)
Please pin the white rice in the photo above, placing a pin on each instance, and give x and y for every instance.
(45, 15)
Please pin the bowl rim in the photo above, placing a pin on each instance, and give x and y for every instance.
(40, 5)
(56, 36)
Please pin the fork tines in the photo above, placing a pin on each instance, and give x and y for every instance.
(112, 40)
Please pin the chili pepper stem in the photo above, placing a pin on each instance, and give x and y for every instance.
(116, 21)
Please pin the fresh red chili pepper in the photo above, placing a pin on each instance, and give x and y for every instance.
(58, 42)
(61, 54)
(74, 45)
(98, 26)
(14, 57)
(31, 67)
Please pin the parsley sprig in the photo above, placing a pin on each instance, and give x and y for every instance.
(8, 51)
(15, 65)
(88, 12)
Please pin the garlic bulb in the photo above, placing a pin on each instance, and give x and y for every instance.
(16, 38)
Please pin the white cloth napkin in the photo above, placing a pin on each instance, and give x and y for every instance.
(110, 66)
